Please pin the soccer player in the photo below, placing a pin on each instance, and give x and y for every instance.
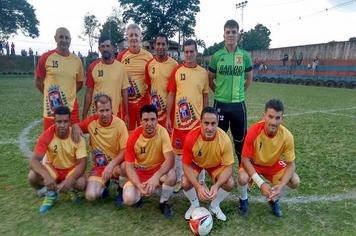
(269, 152)
(66, 161)
(134, 59)
(188, 88)
(230, 75)
(158, 71)
(149, 161)
(108, 137)
(59, 76)
(208, 147)
(107, 75)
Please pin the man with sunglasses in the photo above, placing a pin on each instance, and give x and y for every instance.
(59, 76)
(230, 74)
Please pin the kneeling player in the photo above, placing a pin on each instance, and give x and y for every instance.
(66, 161)
(208, 147)
(268, 151)
(149, 161)
(108, 137)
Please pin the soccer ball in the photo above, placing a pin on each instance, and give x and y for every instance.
(201, 221)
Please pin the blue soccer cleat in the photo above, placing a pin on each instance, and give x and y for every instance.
(276, 208)
(243, 209)
(119, 201)
(49, 201)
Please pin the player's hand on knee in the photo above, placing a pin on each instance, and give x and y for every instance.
(203, 192)
(66, 185)
(50, 183)
(213, 191)
(142, 188)
(266, 190)
(275, 191)
(107, 173)
(152, 184)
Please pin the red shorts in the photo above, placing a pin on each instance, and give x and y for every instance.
(271, 173)
(178, 137)
(214, 172)
(134, 111)
(96, 174)
(145, 175)
(74, 117)
(58, 174)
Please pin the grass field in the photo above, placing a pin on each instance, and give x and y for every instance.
(323, 121)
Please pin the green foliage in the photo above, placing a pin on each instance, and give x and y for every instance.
(168, 16)
(17, 15)
(256, 39)
(212, 49)
(114, 27)
(91, 28)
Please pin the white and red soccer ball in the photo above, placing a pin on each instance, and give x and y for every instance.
(201, 221)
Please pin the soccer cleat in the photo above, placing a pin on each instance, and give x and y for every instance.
(243, 209)
(119, 200)
(217, 212)
(166, 209)
(139, 204)
(276, 208)
(178, 187)
(106, 192)
(74, 196)
(41, 192)
(48, 202)
(188, 213)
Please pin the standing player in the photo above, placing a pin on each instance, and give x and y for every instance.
(107, 75)
(66, 161)
(230, 74)
(108, 137)
(134, 59)
(158, 71)
(188, 87)
(59, 76)
(149, 161)
(208, 147)
(268, 151)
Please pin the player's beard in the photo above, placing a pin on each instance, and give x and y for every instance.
(106, 55)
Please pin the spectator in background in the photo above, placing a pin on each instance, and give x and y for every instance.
(23, 53)
(7, 48)
(12, 49)
(285, 59)
(1, 49)
(315, 64)
(300, 58)
(30, 52)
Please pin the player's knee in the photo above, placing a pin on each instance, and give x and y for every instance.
(186, 184)
(129, 197)
(32, 177)
(91, 196)
(80, 183)
(228, 185)
(171, 178)
(294, 182)
(242, 178)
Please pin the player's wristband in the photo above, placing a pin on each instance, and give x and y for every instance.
(257, 179)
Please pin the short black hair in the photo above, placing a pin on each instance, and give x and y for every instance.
(103, 38)
(148, 109)
(102, 98)
(275, 104)
(190, 42)
(231, 24)
(209, 110)
(62, 111)
(161, 35)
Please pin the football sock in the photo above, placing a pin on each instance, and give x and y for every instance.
(243, 191)
(202, 176)
(179, 167)
(166, 193)
(220, 196)
(191, 194)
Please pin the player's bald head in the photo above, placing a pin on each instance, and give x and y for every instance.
(62, 30)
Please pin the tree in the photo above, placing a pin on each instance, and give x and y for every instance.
(114, 27)
(91, 28)
(17, 15)
(168, 16)
(256, 39)
(212, 49)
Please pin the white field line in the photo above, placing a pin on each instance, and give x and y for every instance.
(338, 114)
(23, 140)
(10, 141)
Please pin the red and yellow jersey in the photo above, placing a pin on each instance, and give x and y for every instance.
(109, 79)
(147, 153)
(60, 74)
(61, 153)
(189, 84)
(134, 64)
(157, 78)
(207, 154)
(265, 150)
(105, 141)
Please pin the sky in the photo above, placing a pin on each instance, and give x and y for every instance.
(291, 22)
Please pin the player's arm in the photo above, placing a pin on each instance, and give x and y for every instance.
(133, 177)
(79, 170)
(288, 174)
(265, 188)
(166, 166)
(223, 177)
(87, 101)
(212, 77)
(205, 100)
(37, 167)
(114, 162)
(39, 84)
(79, 85)
(170, 100)
(125, 99)
(248, 79)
